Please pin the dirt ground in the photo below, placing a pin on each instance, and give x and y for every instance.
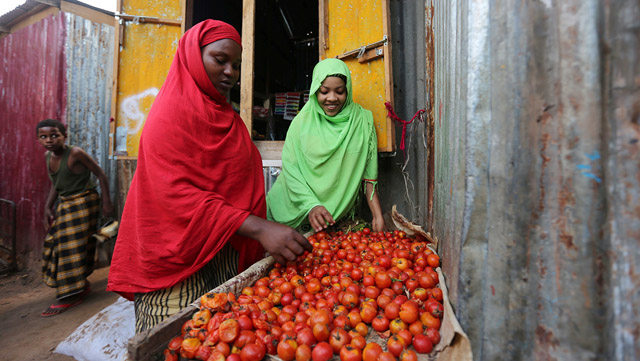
(24, 334)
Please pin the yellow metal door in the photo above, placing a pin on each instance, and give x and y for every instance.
(148, 32)
(357, 31)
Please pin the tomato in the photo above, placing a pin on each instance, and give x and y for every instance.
(222, 347)
(408, 355)
(433, 260)
(386, 356)
(338, 338)
(350, 353)
(228, 330)
(287, 349)
(409, 312)
(252, 352)
(303, 353)
(380, 323)
(420, 294)
(354, 318)
(429, 321)
(203, 353)
(434, 335)
(175, 343)
(244, 338)
(395, 345)
(422, 344)
(362, 329)
(357, 340)
(367, 313)
(322, 352)
(406, 336)
(170, 355)
(397, 287)
(320, 331)
(305, 337)
(350, 300)
(437, 294)
(435, 308)
(396, 325)
(244, 322)
(189, 347)
(218, 356)
(416, 328)
(391, 311)
(371, 352)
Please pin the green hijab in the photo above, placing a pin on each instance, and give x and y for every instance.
(325, 158)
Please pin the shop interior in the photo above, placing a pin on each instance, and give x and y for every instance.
(286, 50)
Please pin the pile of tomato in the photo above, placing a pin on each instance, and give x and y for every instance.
(361, 296)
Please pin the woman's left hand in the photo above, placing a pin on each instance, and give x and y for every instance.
(319, 217)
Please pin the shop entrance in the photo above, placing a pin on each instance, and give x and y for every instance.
(285, 50)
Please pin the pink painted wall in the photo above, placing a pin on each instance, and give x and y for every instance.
(32, 88)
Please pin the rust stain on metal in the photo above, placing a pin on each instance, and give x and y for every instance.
(430, 63)
(544, 337)
(545, 161)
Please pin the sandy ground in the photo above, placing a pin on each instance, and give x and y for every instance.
(24, 334)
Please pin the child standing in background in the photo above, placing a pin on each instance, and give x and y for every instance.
(69, 249)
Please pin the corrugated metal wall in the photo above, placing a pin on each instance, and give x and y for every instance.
(535, 116)
(89, 50)
(33, 87)
(59, 67)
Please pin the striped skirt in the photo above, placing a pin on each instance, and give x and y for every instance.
(69, 250)
(154, 307)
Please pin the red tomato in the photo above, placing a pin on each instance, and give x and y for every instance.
(189, 347)
(223, 347)
(228, 330)
(303, 353)
(287, 349)
(218, 356)
(380, 323)
(252, 352)
(433, 335)
(408, 312)
(371, 352)
(338, 338)
(386, 356)
(408, 355)
(391, 310)
(437, 294)
(320, 331)
(357, 340)
(203, 353)
(350, 353)
(422, 344)
(433, 260)
(395, 345)
(322, 352)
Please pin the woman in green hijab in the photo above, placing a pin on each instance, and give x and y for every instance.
(330, 150)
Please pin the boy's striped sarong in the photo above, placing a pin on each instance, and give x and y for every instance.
(154, 307)
(69, 249)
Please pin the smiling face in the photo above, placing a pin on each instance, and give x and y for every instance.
(332, 95)
(51, 138)
(221, 61)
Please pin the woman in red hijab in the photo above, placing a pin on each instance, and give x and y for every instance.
(196, 205)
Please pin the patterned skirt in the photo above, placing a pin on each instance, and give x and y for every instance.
(154, 307)
(69, 250)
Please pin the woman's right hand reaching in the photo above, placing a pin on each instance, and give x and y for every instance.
(319, 218)
(282, 242)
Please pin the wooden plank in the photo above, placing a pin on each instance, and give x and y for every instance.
(87, 13)
(388, 76)
(187, 15)
(246, 75)
(150, 20)
(270, 150)
(125, 169)
(323, 31)
(371, 54)
(35, 15)
(118, 35)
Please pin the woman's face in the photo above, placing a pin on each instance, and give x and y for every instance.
(332, 95)
(221, 61)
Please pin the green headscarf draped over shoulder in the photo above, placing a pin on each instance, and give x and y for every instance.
(325, 158)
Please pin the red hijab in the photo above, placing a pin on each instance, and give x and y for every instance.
(198, 177)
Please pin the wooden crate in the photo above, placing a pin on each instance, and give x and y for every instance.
(149, 345)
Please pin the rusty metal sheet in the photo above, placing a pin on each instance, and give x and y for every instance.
(32, 88)
(145, 56)
(536, 175)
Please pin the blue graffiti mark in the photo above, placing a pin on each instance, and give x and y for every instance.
(593, 156)
(584, 166)
(592, 176)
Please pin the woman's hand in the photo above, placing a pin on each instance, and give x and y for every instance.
(282, 242)
(377, 224)
(319, 217)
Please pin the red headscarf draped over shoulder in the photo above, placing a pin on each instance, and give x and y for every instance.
(198, 177)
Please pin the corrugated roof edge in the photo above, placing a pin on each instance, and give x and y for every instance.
(33, 6)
